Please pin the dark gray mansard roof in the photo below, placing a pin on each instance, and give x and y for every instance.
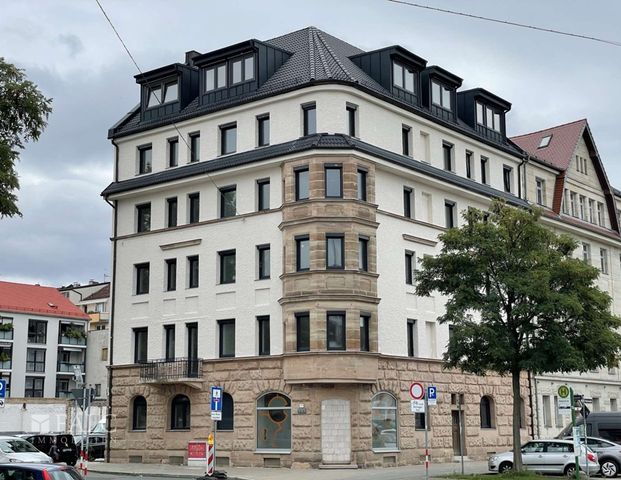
(317, 57)
(320, 141)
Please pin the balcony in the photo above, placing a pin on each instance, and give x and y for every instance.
(67, 367)
(72, 340)
(179, 370)
(6, 365)
(6, 334)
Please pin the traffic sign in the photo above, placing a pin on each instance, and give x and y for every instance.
(432, 395)
(417, 391)
(417, 406)
(216, 399)
(2, 388)
(564, 400)
(563, 391)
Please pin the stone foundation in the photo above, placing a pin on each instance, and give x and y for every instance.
(248, 379)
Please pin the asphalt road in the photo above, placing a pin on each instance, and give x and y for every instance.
(108, 476)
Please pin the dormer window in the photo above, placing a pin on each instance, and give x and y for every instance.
(155, 97)
(440, 95)
(488, 117)
(215, 77)
(171, 92)
(242, 69)
(403, 77)
(163, 93)
(545, 141)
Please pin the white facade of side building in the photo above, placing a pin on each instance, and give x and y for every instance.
(378, 123)
(62, 353)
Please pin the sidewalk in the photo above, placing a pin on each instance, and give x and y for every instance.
(247, 473)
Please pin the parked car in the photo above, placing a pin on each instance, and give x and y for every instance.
(65, 446)
(31, 471)
(608, 455)
(547, 456)
(19, 450)
(96, 445)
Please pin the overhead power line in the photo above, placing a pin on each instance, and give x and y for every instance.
(507, 22)
(157, 96)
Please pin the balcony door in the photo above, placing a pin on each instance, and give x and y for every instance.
(192, 338)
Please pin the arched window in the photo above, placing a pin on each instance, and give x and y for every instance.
(274, 422)
(227, 413)
(487, 412)
(180, 413)
(384, 421)
(139, 413)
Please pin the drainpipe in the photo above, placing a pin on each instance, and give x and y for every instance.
(521, 180)
(530, 404)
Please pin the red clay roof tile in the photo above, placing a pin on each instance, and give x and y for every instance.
(21, 297)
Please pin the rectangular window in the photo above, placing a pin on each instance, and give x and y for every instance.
(302, 330)
(335, 252)
(411, 333)
(600, 214)
(603, 260)
(565, 202)
(35, 360)
(227, 338)
(403, 77)
(351, 120)
(142, 278)
(228, 139)
(440, 95)
(591, 210)
(195, 147)
(34, 387)
(410, 267)
(613, 404)
(507, 178)
(488, 117)
(263, 324)
(586, 252)
(363, 254)
(263, 254)
(469, 164)
(420, 422)
(407, 202)
(365, 321)
(169, 342)
(171, 274)
(547, 412)
(37, 331)
(193, 271)
(140, 344)
(145, 159)
(484, 171)
(573, 200)
(449, 213)
(333, 181)
(582, 203)
(215, 78)
(406, 143)
(540, 192)
(263, 130)
(302, 253)
(171, 212)
(447, 152)
(143, 217)
(173, 152)
(362, 185)
(155, 97)
(301, 184)
(335, 329)
(309, 113)
(194, 207)
(227, 266)
(263, 195)
(228, 201)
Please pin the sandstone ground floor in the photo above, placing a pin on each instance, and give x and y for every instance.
(273, 416)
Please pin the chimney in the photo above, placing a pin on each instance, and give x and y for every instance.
(189, 57)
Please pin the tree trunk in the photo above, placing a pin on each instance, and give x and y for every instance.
(517, 414)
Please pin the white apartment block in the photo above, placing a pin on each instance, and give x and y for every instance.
(271, 202)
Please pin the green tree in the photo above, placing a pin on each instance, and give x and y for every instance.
(23, 116)
(518, 301)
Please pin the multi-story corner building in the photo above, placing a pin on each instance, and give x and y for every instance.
(272, 200)
(571, 183)
(42, 339)
(94, 299)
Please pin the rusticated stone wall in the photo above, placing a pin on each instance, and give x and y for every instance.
(248, 379)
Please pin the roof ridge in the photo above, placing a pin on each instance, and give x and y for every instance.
(318, 41)
(334, 56)
(550, 128)
(311, 53)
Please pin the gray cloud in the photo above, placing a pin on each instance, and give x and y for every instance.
(72, 42)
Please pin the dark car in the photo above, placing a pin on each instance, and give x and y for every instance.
(61, 447)
(96, 445)
(33, 471)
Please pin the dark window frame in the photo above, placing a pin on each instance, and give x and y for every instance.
(411, 337)
(169, 342)
(36, 364)
(486, 412)
(34, 333)
(309, 120)
(406, 140)
(298, 253)
(142, 286)
(410, 267)
(447, 156)
(507, 177)
(242, 59)
(173, 152)
(336, 168)
(181, 401)
(263, 197)
(302, 322)
(365, 329)
(216, 76)
(484, 170)
(228, 208)
(223, 326)
(404, 67)
(143, 217)
(341, 333)
(225, 147)
(264, 267)
(139, 402)
(227, 424)
(298, 172)
(469, 164)
(36, 390)
(263, 332)
(263, 130)
(172, 209)
(193, 263)
(141, 334)
(362, 184)
(450, 216)
(222, 257)
(341, 263)
(407, 202)
(194, 207)
(352, 113)
(145, 166)
(195, 147)
(363, 253)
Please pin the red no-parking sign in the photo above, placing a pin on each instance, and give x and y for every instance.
(417, 391)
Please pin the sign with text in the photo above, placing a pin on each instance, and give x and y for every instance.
(564, 400)
(432, 395)
(417, 406)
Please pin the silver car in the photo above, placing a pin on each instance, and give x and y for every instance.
(608, 454)
(547, 456)
(15, 449)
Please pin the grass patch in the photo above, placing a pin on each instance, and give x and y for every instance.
(500, 476)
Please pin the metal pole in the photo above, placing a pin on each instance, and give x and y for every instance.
(573, 425)
(461, 437)
(214, 448)
(88, 419)
(83, 419)
(426, 439)
(586, 441)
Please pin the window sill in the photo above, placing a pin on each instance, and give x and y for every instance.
(174, 430)
(273, 451)
(138, 431)
(386, 450)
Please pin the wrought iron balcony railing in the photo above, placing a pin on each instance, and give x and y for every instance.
(169, 370)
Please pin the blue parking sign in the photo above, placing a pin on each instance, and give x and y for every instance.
(216, 399)
(432, 395)
(2, 388)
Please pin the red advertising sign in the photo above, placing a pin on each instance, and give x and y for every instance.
(197, 450)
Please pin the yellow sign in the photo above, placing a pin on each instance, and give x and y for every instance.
(210, 439)
(563, 391)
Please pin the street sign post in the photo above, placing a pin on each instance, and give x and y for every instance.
(564, 402)
(216, 415)
(432, 395)
(417, 391)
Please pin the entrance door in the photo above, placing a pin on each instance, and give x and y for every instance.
(335, 432)
(457, 433)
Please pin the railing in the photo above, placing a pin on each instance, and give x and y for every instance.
(63, 394)
(67, 367)
(170, 370)
(6, 335)
(65, 340)
(6, 365)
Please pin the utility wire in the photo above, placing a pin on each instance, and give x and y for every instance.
(507, 22)
(159, 100)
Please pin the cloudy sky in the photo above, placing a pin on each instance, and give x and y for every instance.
(69, 50)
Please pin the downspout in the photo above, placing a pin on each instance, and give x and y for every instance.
(521, 180)
(113, 297)
(530, 404)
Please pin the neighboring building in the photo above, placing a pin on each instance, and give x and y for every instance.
(569, 180)
(255, 253)
(42, 339)
(94, 299)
